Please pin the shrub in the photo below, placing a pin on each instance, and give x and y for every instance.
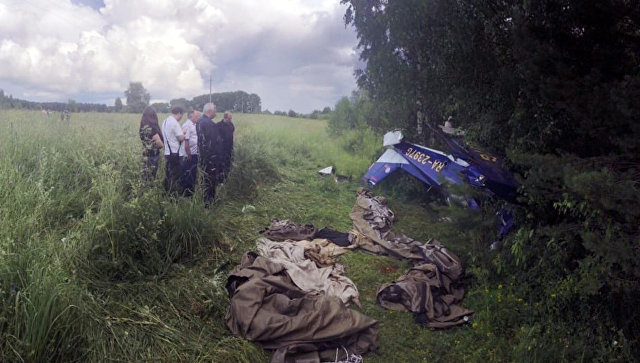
(576, 253)
(253, 165)
(130, 233)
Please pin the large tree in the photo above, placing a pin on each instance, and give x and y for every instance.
(512, 71)
(554, 85)
(118, 104)
(137, 97)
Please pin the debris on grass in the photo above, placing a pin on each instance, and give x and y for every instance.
(326, 171)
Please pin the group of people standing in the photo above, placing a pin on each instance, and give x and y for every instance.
(199, 143)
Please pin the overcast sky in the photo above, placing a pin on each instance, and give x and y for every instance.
(295, 54)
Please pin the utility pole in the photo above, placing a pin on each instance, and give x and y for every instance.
(209, 87)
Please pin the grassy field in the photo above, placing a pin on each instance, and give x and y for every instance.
(93, 268)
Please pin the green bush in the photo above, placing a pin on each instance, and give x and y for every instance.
(579, 237)
(132, 237)
(253, 164)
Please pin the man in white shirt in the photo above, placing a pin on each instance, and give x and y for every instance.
(189, 153)
(173, 136)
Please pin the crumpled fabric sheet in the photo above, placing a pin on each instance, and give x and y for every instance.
(305, 273)
(372, 222)
(268, 308)
(323, 251)
(429, 295)
(282, 230)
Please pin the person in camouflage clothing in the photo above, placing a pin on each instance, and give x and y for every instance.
(152, 142)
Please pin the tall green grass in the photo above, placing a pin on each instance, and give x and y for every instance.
(94, 267)
(87, 255)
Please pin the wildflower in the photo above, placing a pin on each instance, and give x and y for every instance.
(500, 286)
(553, 296)
(474, 325)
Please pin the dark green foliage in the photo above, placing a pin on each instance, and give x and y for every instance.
(344, 117)
(580, 235)
(161, 107)
(118, 104)
(352, 113)
(238, 101)
(137, 97)
(555, 85)
(181, 102)
(72, 106)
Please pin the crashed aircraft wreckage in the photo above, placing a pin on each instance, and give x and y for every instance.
(436, 168)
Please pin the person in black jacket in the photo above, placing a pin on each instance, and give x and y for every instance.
(228, 132)
(209, 145)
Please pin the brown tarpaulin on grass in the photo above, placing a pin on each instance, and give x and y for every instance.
(430, 289)
(268, 308)
(282, 230)
(428, 294)
(307, 273)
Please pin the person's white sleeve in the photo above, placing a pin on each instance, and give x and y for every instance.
(177, 130)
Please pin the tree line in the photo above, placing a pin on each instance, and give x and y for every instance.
(239, 101)
(554, 86)
(8, 102)
(138, 99)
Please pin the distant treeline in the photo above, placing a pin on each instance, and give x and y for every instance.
(238, 101)
(315, 114)
(7, 101)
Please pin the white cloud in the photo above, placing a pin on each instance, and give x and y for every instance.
(294, 54)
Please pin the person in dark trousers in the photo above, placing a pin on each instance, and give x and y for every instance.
(209, 143)
(228, 133)
(173, 136)
(151, 138)
(189, 153)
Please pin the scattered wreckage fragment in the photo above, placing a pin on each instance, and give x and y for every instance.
(436, 168)
(330, 170)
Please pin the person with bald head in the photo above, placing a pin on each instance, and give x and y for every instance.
(209, 144)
